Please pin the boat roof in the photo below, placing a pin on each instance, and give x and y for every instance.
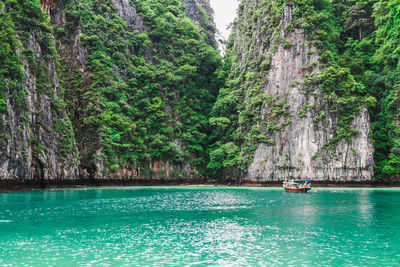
(304, 180)
(291, 183)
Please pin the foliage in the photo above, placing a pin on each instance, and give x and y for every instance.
(162, 92)
(244, 103)
(384, 81)
(27, 45)
(369, 52)
(150, 89)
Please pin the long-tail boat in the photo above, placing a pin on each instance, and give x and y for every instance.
(300, 186)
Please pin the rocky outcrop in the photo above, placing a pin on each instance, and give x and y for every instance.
(77, 50)
(122, 87)
(296, 119)
(39, 141)
(193, 11)
(201, 13)
(128, 12)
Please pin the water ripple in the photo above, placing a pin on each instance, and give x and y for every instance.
(201, 226)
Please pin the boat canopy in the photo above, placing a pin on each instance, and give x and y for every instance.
(302, 181)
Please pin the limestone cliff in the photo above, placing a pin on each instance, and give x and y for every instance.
(201, 13)
(120, 149)
(290, 123)
(36, 136)
(128, 81)
(136, 90)
(298, 148)
(122, 82)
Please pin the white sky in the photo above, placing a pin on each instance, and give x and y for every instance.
(224, 14)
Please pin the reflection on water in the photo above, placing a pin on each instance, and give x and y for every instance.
(206, 226)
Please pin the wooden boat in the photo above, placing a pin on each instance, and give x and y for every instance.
(299, 186)
(298, 190)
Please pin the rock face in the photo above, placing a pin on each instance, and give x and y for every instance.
(200, 12)
(193, 11)
(43, 125)
(128, 12)
(129, 54)
(298, 147)
(130, 84)
(39, 142)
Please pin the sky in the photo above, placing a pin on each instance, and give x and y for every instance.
(224, 14)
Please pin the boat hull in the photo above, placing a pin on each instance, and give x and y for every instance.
(298, 190)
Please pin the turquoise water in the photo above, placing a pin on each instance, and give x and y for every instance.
(161, 226)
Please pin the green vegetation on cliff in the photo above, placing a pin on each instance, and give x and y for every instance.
(27, 51)
(359, 60)
(385, 82)
(345, 96)
(146, 90)
(149, 90)
(370, 50)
